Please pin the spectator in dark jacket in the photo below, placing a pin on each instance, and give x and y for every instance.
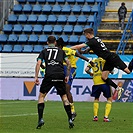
(122, 11)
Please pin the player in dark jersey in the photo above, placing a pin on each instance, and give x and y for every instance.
(54, 76)
(112, 59)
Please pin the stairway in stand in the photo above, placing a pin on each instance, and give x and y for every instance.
(109, 28)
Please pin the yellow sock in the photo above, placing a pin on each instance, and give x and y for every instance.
(95, 107)
(72, 107)
(108, 108)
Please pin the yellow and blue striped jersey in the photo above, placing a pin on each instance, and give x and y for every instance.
(97, 70)
(71, 56)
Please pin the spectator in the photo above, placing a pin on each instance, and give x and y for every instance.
(122, 11)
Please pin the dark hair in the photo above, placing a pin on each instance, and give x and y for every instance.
(89, 30)
(123, 4)
(51, 39)
(60, 42)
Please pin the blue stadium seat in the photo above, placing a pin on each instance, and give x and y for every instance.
(58, 29)
(62, 19)
(81, 19)
(60, 1)
(50, 1)
(12, 18)
(90, 19)
(73, 39)
(17, 8)
(33, 38)
(47, 8)
(77, 29)
(82, 39)
(76, 9)
(90, 1)
(23, 38)
(65, 38)
(32, 18)
(86, 9)
(41, 1)
(17, 28)
(27, 8)
(72, 19)
(27, 49)
(22, 1)
(68, 29)
(51, 19)
(94, 8)
(7, 48)
(47, 28)
(56, 8)
(42, 19)
(37, 28)
(37, 48)
(66, 9)
(42, 39)
(17, 48)
(88, 26)
(22, 18)
(31, 1)
(70, 1)
(3, 38)
(27, 28)
(7, 28)
(80, 1)
(1, 47)
(37, 8)
(12, 38)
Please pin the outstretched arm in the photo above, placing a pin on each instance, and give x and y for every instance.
(76, 47)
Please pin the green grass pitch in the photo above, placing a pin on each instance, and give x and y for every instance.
(21, 117)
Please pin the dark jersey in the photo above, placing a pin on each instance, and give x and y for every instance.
(53, 57)
(98, 47)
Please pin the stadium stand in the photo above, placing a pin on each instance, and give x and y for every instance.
(31, 21)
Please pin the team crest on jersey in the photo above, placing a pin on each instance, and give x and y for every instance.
(29, 88)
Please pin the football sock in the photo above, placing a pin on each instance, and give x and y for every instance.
(72, 107)
(40, 107)
(110, 82)
(108, 108)
(68, 111)
(95, 107)
(130, 66)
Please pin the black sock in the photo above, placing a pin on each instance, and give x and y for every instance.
(40, 107)
(68, 111)
(110, 82)
(130, 66)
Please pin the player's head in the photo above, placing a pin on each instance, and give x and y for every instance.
(60, 42)
(123, 4)
(51, 40)
(89, 33)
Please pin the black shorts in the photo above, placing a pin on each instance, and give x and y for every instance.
(50, 81)
(114, 61)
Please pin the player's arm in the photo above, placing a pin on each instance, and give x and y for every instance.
(79, 46)
(37, 68)
(86, 51)
(68, 69)
(87, 70)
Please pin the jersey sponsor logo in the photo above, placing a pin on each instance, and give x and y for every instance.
(29, 88)
(52, 62)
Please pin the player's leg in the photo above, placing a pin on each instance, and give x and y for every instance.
(67, 109)
(40, 108)
(130, 66)
(108, 109)
(95, 109)
(96, 91)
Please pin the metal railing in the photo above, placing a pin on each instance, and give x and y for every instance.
(5, 8)
(127, 34)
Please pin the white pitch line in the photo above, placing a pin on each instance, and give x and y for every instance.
(13, 102)
(17, 115)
